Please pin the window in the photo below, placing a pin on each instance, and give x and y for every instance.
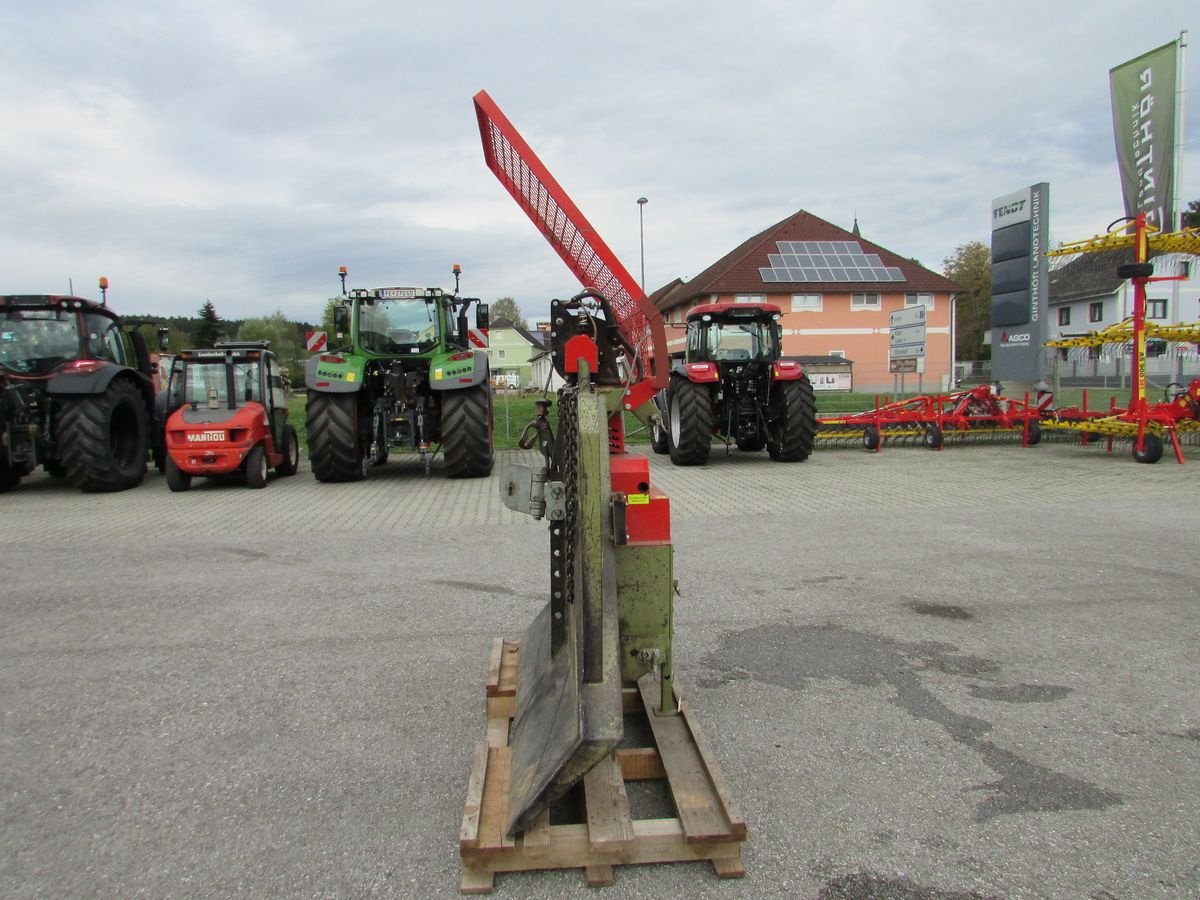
(1185, 268)
(925, 300)
(1096, 311)
(1156, 309)
(1064, 315)
(840, 354)
(499, 354)
(749, 298)
(864, 301)
(806, 302)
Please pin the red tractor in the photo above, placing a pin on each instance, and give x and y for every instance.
(226, 413)
(733, 384)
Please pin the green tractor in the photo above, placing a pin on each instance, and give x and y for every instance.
(411, 376)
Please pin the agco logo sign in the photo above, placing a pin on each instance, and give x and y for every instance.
(1015, 340)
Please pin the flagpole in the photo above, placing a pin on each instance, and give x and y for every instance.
(1179, 85)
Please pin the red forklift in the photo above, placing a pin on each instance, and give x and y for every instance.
(226, 414)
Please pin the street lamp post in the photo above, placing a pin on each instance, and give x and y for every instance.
(642, 201)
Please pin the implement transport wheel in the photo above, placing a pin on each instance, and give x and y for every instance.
(103, 439)
(1035, 435)
(256, 467)
(1088, 437)
(177, 480)
(932, 437)
(793, 412)
(870, 438)
(690, 415)
(290, 451)
(658, 439)
(467, 432)
(333, 448)
(1152, 449)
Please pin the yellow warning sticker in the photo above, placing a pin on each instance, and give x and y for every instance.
(638, 499)
(349, 376)
(437, 374)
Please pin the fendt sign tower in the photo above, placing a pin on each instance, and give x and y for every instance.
(1020, 285)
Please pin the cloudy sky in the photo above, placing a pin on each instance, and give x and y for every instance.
(242, 151)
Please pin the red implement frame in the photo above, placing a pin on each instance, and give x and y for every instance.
(978, 411)
(581, 248)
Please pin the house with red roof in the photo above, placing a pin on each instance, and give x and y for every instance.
(836, 291)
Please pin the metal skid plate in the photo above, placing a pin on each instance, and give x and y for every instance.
(568, 714)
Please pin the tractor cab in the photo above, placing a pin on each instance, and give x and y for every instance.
(733, 332)
(227, 412)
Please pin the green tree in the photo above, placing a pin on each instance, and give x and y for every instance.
(506, 308)
(971, 269)
(209, 330)
(1191, 216)
(285, 341)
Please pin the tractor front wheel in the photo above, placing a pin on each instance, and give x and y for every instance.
(690, 412)
(103, 439)
(793, 416)
(467, 432)
(333, 445)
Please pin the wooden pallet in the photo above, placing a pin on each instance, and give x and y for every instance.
(707, 824)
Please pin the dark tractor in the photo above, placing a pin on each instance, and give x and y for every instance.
(76, 395)
(732, 383)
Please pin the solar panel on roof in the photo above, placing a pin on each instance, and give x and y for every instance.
(826, 261)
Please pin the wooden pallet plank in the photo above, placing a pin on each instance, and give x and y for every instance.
(607, 805)
(640, 763)
(468, 834)
(696, 801)
(508, 669)
(737, 824)
(476, 881)
(495, 801)
(599, 876)
(729, 868)
(655, 841)
(536, 839)
(494, 660)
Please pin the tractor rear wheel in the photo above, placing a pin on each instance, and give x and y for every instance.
(290, 452)
(256, 467)
(333, 447)
(690, 413)
(467, 432)
(103, 439)
(1152, 449)
(793, 414)
(177, 480)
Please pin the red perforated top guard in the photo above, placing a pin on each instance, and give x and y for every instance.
(581, 248)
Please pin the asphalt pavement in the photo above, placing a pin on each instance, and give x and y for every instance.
(956, 674)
